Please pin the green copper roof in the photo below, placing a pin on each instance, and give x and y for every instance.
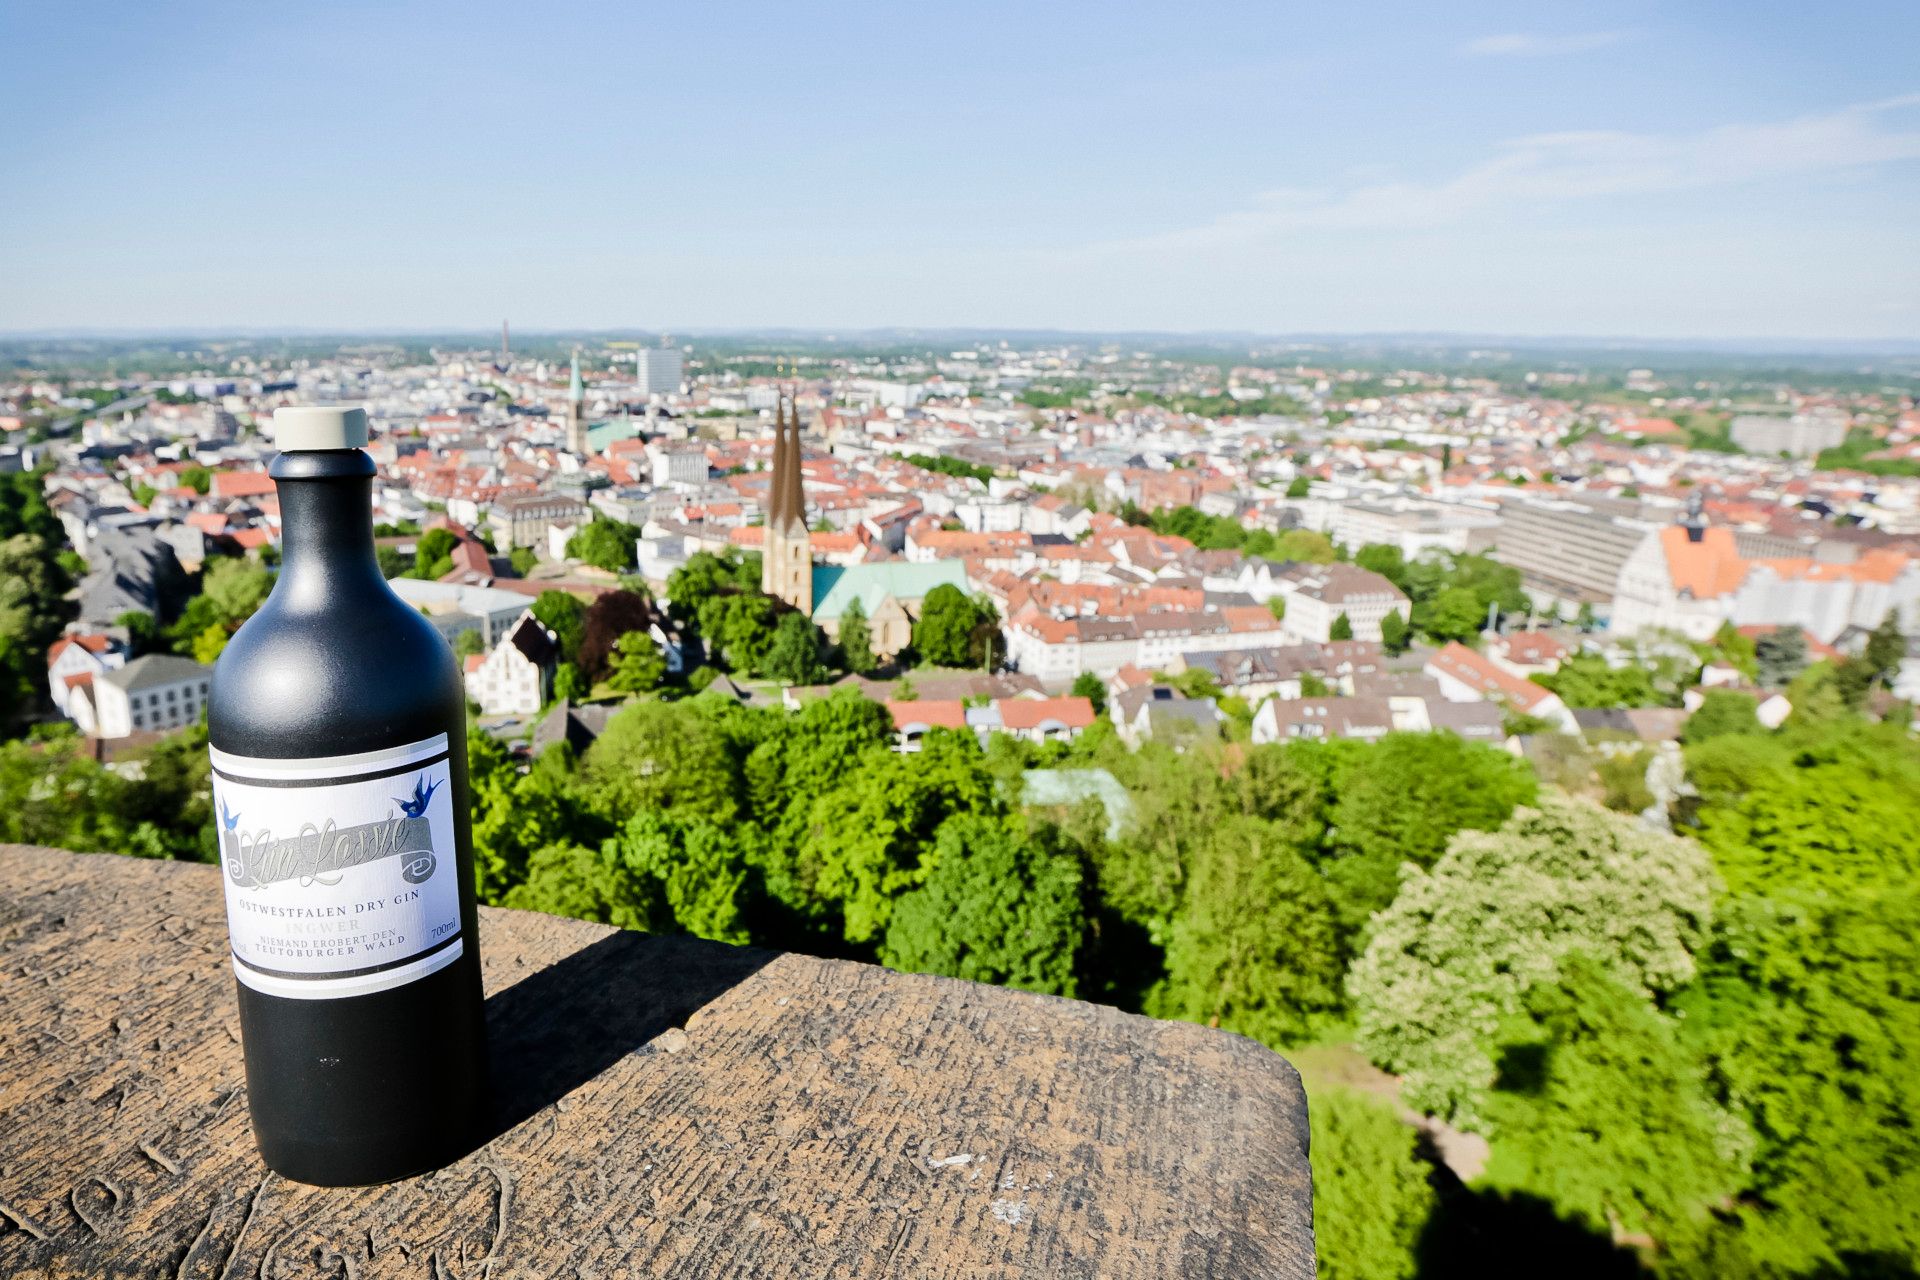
(602, 434)
(835, 587)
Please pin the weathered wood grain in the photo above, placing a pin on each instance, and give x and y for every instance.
(666, 1107)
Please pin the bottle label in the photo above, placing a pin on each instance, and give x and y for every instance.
(340, 870)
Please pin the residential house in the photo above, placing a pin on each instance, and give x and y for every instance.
(155, 693)
(1363, 719)
(1466, 676)
(1156, 711)
(516, 675)
(914, 719)
(522, 519)
(1318, 594)
(77, 658)
(1045, 719)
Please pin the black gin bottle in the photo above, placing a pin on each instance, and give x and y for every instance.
(337, 723)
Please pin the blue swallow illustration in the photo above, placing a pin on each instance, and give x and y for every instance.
(415, 805)
(229, 820)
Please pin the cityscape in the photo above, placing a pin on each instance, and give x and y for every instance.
(1425, 578)
(822, 645)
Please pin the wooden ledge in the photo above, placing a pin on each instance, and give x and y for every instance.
(668, 1107)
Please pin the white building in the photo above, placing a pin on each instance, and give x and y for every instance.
(677, 462)
(155, 693)
(73, 660)
(1694, 579)
(1466, 676)
(1317, 594)
(515, 677)
(658, 371)
(1802, 435)
(453, 607)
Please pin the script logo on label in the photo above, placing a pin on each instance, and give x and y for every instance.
(256, 859)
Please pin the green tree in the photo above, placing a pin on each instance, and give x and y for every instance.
(572, 880)
(609, 618)
(740, 626)
(1721, 712)
(1384, 559)
(1586, 680)
(31, 615)
(1623, 781)
(999, 906)
(1089, 686)
(468, 643)
(1371, 1191)
(523, 560)
(706, 575)
(862, 842)
(856, 640)
(1736, 650)
(638, 666)
(1342, 628)
(1451, 959)
(516, 814)
(1395, 634)
(1400, 800)
(1298, 487)
(795, 655)
(564, 615)
(1455, 614)
(1601, 1111)
(944, 633)
(236, 589)
(662, 756)
(433, 556)
(1810, 1019)
(142, 631)
(1780, 655)
(698, 873)
(1813, 812)
(606, 544)
(1305, 544)
(1256, 946)
(568, 684)
(1886, 650)
(210, 644)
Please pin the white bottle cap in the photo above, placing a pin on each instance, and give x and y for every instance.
(320, 426)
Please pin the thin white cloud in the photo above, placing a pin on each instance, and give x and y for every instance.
(1521, 45)
(1561, 168)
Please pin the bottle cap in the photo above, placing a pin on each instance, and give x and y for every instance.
(320, 426)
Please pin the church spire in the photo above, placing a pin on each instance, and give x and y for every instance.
(577, 442)
(793, 499)
(777, 482)
(787, 562)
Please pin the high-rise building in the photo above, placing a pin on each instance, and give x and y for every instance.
(657, 371)
(786, 566)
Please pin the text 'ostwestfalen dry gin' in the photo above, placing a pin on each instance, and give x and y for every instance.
(338, 730)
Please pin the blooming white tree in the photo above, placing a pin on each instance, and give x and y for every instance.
(1463, 943)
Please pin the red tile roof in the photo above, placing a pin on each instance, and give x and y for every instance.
(928, 713)
(241, 484)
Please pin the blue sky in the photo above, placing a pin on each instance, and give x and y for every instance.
(1708, 170)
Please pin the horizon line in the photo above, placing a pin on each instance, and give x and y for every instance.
(1769, 344)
